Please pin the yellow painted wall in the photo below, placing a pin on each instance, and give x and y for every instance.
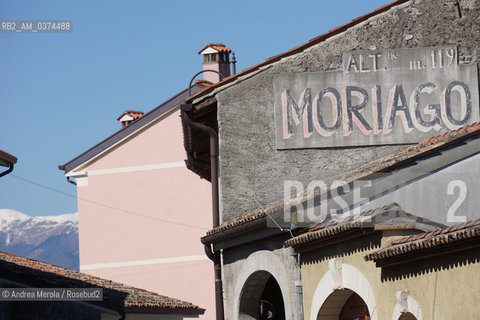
(446, 287)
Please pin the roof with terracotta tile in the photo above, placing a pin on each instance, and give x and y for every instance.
(132, 113)
(429, 240)
(237, 226)
(423, 148)
(388, 217)
(202, 83)
(220, 47)
(133, 299)
(299, 48)
(401, 157)
(240, 221)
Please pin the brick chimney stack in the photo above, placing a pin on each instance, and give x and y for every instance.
(216, 56)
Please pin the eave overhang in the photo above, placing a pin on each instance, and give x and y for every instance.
(196, 142)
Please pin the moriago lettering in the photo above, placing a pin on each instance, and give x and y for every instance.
(347, 109)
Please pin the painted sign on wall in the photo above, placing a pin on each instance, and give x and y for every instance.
(381, 97)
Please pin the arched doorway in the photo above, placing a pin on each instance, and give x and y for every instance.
(407, 308)
(407, 316)
(344, 305)
(261, 298)
(328, 302)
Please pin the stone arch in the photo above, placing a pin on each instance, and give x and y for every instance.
(341, 304)
(406, 304)
(407, 316)
(261, 297)
(346, 277)
(255, 271)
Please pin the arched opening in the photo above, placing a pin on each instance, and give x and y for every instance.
(407, 308)
(407, 316)
(261, 298)
(344, 305)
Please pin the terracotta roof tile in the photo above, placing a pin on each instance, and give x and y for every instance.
(388, 217)
(132, 113)
(422, 148)
(203, 83)
(428, 240)
(134, 299)
(240, 221)
(217, 46)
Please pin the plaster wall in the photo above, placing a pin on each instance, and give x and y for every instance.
(157, 144)
(443, 290)
(141, 216)
(279, 262)
(252, 171)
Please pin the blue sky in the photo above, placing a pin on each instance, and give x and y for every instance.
(61, 93)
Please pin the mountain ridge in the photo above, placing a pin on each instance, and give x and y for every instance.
(52, 239)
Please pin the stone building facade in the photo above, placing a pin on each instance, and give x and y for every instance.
(394, 158)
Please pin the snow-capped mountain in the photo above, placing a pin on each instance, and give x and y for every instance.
(53, 239)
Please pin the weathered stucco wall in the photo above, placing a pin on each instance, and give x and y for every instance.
(252, 170)
(240, 265)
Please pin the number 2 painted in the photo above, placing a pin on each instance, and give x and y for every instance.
(452, 185)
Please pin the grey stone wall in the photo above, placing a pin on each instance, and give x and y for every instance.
(252, 171)
(240, 265)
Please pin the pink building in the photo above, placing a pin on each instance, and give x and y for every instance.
(141, 212)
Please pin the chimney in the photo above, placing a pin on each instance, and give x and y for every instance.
(216, 56)
(128, 116)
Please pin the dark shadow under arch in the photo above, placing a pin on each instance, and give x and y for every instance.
(261, 298)
(344, 305)
(407, 316)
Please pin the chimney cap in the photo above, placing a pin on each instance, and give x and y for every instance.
(218, 47)
(130, 115)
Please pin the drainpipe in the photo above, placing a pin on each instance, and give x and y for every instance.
(299, 293)
(217, 269)
(299, 289)
(185, 110)
(69, 180)
(10, 169)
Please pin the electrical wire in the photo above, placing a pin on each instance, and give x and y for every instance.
(104, 205)
(274, 221)
(159, 269)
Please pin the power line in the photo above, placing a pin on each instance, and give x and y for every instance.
(274, 221)
(104, 205)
